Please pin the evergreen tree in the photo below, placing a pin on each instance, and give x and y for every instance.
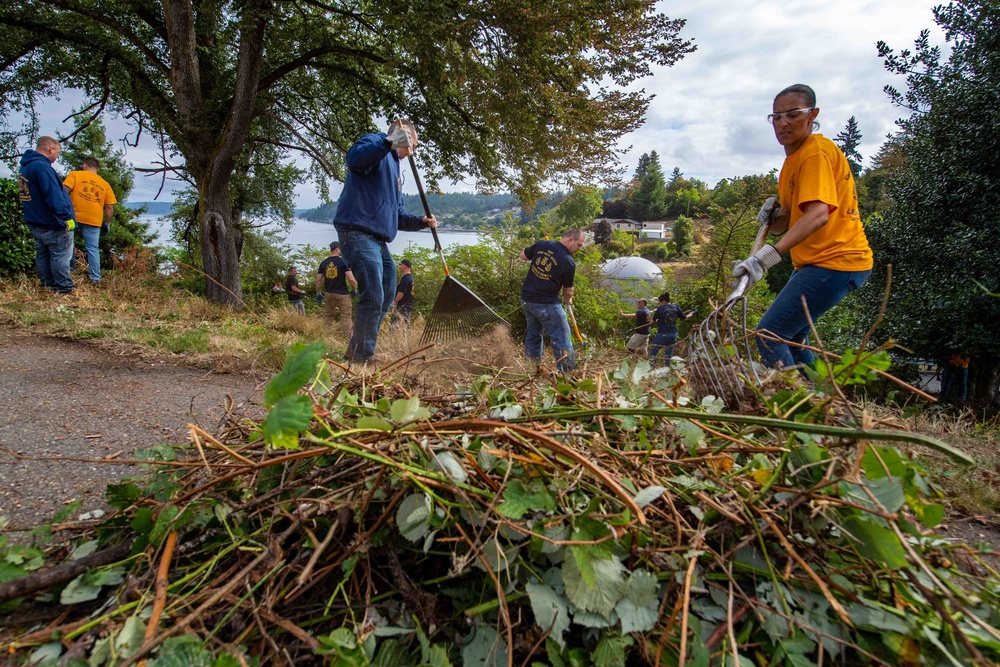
(684, 235)
(849, 140)
(940, 232)
(649, 201)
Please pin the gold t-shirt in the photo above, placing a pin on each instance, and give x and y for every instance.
(818, 171)
(90, 194)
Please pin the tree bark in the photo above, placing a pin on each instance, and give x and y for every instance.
(984, 378)
(221, 242)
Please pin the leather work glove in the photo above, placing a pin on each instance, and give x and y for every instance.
(774, 213)
(319, 297)
(400, 138)
(354, 294)
(105, 229)
(70, 225)
(756, 264)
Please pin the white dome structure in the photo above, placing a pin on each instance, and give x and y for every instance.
(631, 273)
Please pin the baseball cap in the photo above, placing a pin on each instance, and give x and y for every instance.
(407, 263)
(334, 245)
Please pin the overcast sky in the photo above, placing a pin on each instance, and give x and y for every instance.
(708, 117)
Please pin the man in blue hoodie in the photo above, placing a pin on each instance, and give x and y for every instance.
(369, 213)
(49, 214)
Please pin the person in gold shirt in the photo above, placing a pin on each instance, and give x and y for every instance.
(94, 202)
(824, 236)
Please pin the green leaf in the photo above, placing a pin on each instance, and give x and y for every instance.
(551, 611)
(888, 491)
(290, 416)
(610, 651)
(164, 523)
(142, 521)
(84, 549)
(485, 648)
(876, 541)
(88, 585)
(297, 370)
(122, 496)
(689, 433)
(437, 656)
(414, 516)
(639, 608)
(607, 589)
(408, 410)
(375, 423)
(519, 499)
(874, 458)
(648, 495)
(46, 655)
(448, 464)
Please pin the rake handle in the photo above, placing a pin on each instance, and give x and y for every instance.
(427, 212)
(758, 243)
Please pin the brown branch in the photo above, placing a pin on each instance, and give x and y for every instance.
(60, 574)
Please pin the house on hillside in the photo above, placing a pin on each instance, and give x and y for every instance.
(652, 230)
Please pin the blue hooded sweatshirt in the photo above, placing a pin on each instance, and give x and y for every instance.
(43, 199)
(372, 200)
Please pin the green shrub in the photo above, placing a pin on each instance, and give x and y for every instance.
(17, 249)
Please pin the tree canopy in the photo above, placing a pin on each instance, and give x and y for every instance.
(940, 231)
(230, 90)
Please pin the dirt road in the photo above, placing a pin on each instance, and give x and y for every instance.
(92, 400)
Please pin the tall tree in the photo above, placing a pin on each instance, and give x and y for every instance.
(649, 201)
(497, 88)
(941, 231)
(581, 206)
(849, 139)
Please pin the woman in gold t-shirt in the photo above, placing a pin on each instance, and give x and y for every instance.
(825, 238)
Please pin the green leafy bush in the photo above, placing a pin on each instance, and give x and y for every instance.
(17, 249)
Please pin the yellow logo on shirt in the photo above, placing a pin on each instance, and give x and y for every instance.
(543, 263)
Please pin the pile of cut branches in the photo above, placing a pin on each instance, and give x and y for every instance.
(603, 521)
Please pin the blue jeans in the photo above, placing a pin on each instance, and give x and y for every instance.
(373, 267)
(951, 377)
(823, 289)
(550, 319)
(53, 250)
(92, 239)
(663, 340)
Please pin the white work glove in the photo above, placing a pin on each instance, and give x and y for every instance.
(774, 213)
(756, 264)
(767, 210)
(400, 138)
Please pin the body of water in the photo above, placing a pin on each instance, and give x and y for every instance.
(305, 232)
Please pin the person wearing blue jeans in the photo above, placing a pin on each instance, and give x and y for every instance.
(94, 203)
(48, 213)
(816, 214)
(550, 275)
(665, 318)
(369, 214)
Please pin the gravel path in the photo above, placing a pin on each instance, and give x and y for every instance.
(66, 398)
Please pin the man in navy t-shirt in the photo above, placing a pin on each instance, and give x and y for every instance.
(665, 317)
(404, 291)
(550, 276)
(640, 334)
(333, 279)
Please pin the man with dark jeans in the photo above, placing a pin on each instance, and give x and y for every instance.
(552, 271)
(49, 215)
(404, 291)
(665, 317)
(369, 213)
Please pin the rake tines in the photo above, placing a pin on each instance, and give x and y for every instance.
(458, 314)
(720, 357)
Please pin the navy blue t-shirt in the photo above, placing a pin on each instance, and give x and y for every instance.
(666, 318)
(406, 287)
(552, 268)
(334, 271)
(642, 321)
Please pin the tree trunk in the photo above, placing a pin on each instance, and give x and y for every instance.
(221, 242)
(984, 376)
